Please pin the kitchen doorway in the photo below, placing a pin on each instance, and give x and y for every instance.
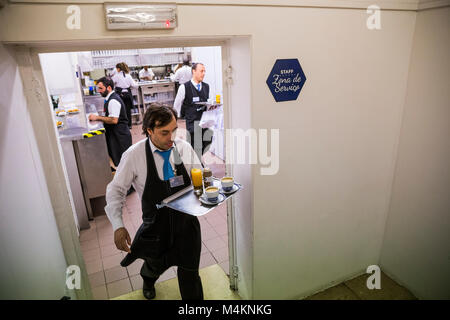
(71, 95)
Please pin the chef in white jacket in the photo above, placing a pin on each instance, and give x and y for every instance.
(146, 74)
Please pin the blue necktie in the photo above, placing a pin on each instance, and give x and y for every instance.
(198, 87)
(167, 168)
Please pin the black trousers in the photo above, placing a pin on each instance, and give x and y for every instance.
(205, 140)
(189, 280)
(127, 99)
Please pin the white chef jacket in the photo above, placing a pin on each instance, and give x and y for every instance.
(148, 73)
(181, 94)
(113, 106)
(124, 82)
(183, 74)
(132, 170)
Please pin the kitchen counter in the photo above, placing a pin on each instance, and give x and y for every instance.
(72, 134)
(153, 82)
(97, 95)
(88, 168)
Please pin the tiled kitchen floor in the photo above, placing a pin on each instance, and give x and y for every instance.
(108, 279)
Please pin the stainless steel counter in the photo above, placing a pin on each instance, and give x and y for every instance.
(87, 163)
(159, 91)
(75, 184)
(93, 167)
(72, 134)
(153, 82)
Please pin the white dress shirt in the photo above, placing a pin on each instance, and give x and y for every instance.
(143, 73)
(113, 106)
(132, 170)
(182, 75)
(181, 94)
(124, 82)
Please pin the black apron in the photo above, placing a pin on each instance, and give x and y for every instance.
(127, 98)
(192, 111)
(165, 232)
(118, 136)
(124, 95)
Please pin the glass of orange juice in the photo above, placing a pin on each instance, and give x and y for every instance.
(197, 180)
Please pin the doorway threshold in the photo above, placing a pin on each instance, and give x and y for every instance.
(215, 282)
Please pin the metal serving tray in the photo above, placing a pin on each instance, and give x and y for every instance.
(189, 203)
(206, 106)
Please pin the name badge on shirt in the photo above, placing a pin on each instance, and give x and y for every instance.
(176, 181)
(195, 99)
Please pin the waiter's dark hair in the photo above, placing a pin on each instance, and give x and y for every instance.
(185, 62)
(107, 82)
(195, 64)
(123, 67)
(157, 115)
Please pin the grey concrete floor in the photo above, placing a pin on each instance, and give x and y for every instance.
(356, 289)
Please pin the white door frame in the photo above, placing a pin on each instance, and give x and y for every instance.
(27, 57)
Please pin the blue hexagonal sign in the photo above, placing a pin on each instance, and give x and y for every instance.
(286, 79)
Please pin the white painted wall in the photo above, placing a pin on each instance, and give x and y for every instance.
(60, 73)
(321, 218)
(211, 58)
(416, 248)
(57, 69)
(32, 260)
(240, 116)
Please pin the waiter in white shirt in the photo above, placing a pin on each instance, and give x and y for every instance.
(188, 95)
(146, 74)
(118, 136)
(124, 82)
(181, 76)
(158, 167)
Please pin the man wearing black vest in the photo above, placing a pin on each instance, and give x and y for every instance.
(118, 135)
(158, 167)
(189, 94)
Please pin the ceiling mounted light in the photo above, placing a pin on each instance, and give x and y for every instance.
(140, 16)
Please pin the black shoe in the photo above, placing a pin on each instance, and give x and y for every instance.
(148, 291)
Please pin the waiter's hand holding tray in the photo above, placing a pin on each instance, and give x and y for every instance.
(206, 106)
(188, 202)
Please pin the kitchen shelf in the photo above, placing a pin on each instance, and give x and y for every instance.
(166, 100)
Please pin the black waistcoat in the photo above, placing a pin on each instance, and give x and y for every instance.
(118, 136)
(123, 115)
(191, 113)
(165, 232)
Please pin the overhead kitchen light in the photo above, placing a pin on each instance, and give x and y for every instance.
(140, 16)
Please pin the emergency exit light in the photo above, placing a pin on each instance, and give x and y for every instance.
(140, 16)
